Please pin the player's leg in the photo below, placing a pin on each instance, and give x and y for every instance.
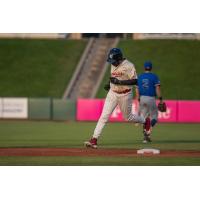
(143, 107)
(144, 110)
(126, 108)
(125, 103)
(109, 106)
(153, 113)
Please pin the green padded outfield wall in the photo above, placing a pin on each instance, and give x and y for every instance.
(39, 108)
(51, 109)
(63, 109)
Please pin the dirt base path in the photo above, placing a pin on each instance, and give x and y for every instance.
(90, 152)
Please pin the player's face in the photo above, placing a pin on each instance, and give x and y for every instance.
(117, 63)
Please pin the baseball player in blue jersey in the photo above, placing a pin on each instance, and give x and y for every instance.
(147, 89)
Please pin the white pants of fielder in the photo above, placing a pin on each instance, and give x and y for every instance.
(125, 103)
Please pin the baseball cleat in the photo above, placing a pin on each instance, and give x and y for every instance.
(147, 138)
(92, 143)
(144, 141)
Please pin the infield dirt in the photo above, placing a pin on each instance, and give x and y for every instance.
(91, 152)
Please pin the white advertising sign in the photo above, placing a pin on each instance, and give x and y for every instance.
(14, 108)
(168, 36)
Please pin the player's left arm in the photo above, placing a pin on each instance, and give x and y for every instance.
(123, 82)
(161, 105)
(158, 88)
(158, 93)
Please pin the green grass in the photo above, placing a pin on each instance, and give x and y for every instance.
(98, 161)
(115, 135)
(37, 68)
(175, 61)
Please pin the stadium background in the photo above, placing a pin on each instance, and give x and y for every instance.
(43, 76)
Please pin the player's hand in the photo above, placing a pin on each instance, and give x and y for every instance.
(107, 87)
(114, 80)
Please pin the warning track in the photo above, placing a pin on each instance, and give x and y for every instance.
(91, 152)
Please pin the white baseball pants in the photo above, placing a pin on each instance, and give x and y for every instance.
(125, 103)
(148, 107)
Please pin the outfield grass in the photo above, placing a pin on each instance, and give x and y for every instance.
(116, 135)
(37, 68)
(175, 61)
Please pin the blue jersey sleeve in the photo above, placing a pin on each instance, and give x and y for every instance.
(156, 80)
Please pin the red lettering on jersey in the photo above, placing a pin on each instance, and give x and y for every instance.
(117, 74)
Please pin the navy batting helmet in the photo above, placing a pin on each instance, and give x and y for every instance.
(148, 65)
(115, 55)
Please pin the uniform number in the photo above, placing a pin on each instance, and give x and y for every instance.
(145, 83)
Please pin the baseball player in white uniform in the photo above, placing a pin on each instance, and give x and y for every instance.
(123, 77)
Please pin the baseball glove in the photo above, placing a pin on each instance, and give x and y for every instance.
(162, 107)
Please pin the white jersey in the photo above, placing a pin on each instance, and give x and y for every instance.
(124, 71)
